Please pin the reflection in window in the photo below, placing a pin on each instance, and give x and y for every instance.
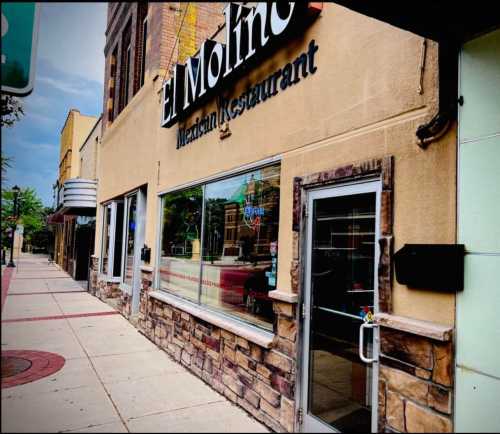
(117, 254)
(241, 225)
(130, 241)
(181, 242)
(343, 249)
(239, 245)
(106, 232)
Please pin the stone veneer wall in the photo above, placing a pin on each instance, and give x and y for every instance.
(260, 380)
(415, 383)
(101, 288)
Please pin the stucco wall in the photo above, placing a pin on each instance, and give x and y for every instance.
(362, 103)
(88, 153)
(82, 125)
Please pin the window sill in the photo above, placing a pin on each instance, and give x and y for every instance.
(286, 297)
(253, 334)
(427, 329)
(105, 278)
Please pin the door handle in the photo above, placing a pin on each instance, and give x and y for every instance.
(361, 339)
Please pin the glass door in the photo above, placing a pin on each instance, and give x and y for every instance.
(339, 379)
(133, 240)
(129, 250)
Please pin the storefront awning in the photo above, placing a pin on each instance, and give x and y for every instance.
(433, 19)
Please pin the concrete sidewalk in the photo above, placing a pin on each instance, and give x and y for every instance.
(113, 378)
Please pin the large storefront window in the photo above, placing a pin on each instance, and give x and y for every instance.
(128, 272)
(239, 247)
(181, 242)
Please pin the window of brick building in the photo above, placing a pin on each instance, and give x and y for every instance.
(140, 51)
(112, 85)
(125, 60)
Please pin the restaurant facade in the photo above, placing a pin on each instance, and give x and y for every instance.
(279, 209)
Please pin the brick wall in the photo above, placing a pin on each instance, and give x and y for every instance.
(199, 21)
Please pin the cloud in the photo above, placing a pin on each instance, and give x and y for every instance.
(76, 31)
(40, 119)
(63, 86)
(33, 146)
(69, 74)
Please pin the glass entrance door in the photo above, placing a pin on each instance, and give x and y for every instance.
(339, 388)
(133, 241)
(129, 251)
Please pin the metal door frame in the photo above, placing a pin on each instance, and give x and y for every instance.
(373, 185)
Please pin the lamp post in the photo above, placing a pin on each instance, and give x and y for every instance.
(16, 191)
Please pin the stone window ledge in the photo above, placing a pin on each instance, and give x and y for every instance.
(286, 297)
(105, 278)
(260, 337)
(431, 330)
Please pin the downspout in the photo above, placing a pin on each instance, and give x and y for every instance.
(439, 125)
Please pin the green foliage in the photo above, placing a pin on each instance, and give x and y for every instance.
(31, 212)
(12, 110)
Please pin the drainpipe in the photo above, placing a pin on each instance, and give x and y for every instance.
(439, 125)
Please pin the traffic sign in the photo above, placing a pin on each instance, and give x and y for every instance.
(19, 43)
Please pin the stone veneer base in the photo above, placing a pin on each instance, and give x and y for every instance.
(260, 380)
(416, 362)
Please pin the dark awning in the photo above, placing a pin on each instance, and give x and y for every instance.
(438, 20)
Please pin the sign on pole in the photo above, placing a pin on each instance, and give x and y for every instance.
(19, 43)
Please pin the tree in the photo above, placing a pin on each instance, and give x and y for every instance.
(12, 110)
(31, 212)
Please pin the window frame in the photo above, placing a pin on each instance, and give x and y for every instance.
(112, 237)
(274, 161)
(126, 85)
(142, 73)
(126, 205)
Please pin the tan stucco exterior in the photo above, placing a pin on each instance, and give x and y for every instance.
(362, 103)
(77, 159)
(75, 130)
(89, 153)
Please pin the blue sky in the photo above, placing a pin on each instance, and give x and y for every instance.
(69, 74)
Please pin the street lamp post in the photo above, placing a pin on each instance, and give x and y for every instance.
(16, 191)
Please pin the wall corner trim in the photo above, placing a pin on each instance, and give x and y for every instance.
(431, 330)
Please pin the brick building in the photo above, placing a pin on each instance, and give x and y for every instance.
(260, 166)
(142, 44)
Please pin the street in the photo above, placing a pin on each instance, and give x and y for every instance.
(106, 376)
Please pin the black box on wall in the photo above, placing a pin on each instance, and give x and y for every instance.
(439, 267)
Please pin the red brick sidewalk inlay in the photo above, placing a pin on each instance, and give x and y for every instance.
(43, 364)
(74, 315)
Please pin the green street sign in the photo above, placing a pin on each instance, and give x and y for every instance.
(19, 42)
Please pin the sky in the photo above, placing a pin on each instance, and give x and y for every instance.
(69, 74)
